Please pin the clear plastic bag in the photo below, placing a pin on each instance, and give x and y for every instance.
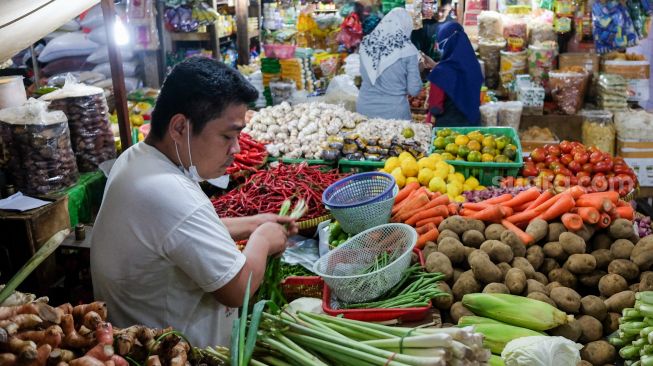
(568, 90)
(90, 130)
(541, 60)
(613, 92)
(490, 54)
(515, 32)
(342, 91)
(490, 26)
(598, 130)
(540, 31)
(510, 114)
(489, 114)
(282, 90)
(512, 64)
(37, 143)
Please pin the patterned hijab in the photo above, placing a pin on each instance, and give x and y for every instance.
(388, 42)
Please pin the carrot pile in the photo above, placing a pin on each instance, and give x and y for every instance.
(422, 209)
(574, 207)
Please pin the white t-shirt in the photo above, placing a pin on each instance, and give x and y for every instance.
(158, 250)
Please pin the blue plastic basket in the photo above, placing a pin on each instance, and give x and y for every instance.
(359, 189)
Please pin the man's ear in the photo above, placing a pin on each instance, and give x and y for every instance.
(177, 127)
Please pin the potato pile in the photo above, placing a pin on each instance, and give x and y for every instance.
(590, 274)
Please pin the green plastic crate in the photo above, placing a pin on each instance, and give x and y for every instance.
(308, 161)
(358, 166)
(486, 172)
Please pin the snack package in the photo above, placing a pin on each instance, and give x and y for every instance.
(88, 120)
(37, 145)
(512, 64)
(510, 114)
(540, 31)
(613, 92)
(515, 33)
(541, 60)
(490, 25)
(490, 54)
(613, 27)
(636, 73)
(489, 114)
(568, 90)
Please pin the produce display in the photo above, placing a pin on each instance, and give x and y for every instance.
(273, 186)
(431, 172)
(251, 157)
(635, 338)
(474, 146)
(420, 100)
(35, 333)
(570, 163)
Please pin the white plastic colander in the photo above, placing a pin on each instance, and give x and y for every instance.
(342, 268)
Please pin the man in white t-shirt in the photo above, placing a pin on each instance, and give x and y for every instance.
(160, 255)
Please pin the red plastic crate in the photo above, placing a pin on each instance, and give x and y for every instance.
(377, 315)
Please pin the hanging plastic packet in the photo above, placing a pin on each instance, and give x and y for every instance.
(564, 14)
(613, 28)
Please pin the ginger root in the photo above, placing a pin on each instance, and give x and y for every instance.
(98, 306)
(21, 321)
(73, 339)
(153, 361)
(53, 336)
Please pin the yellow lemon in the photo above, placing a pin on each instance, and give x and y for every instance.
(409, 168)
(454, 189)
(472, 182)
(399, 177)
(424, 176)
(467, 187)
(452, 169)
(460, 177)
(442, 173)
(392, 163)
(441, 165)
(411, 180)
(451, 178)
(459, 199)
(437, 184)
(435, 157)
(461, 140)
(426, 163)
(405, 155)
(479, 188)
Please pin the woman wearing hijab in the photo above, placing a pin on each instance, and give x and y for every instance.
(389, 68)
(456, 80)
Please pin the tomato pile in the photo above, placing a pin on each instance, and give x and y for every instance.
(572, 163)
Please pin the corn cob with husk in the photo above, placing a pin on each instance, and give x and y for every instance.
(495, 333)
(516, 310)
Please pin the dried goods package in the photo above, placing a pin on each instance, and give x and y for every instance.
(490, 26)
(490, 54)
(568, 90)
(37, 144)
(598, 130)
(90, 130)
(612, 92)
(636, 73)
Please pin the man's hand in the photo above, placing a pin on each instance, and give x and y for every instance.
(428, 62)
(274, 234)
(282, 220)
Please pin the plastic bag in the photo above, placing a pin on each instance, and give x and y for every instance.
(90, 130)
(510, 114)
(304, 252)
(540, 31)
(613, 92)
(598, 130)
(541, 60)
(512, 64)
(568, 90)
(93, 18)
(70, 44)
(351, 31)
(541, 351)
(342, 90)
(489, 114)
(101, 55)
(515, 32)
(37, 143)
(490, 26)
(490, 54)
(66, 64)
(282, 90)
(613, 28)
(128, 68)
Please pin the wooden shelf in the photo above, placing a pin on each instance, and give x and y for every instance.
(190, 36)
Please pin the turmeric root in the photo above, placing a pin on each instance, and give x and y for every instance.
(52, 336)
(35, 359)
(7, 359)
(179, 354)
(22, 321)
(15, 345)
(153, 361)
(73, 339)
(67, 308)
(86, 361)
(126, 338)
(59, 355)
(98, 306)
(43, 310)
(92, 320)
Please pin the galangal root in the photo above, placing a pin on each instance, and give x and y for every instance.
(22, 321)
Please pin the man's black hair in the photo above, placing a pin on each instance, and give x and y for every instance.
(201, 89)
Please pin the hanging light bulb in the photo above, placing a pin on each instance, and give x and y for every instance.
(120, 32)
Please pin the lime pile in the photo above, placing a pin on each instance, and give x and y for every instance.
(474, 146)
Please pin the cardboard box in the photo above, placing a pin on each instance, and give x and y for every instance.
(644, 170)
(589, 61)
(635, 149)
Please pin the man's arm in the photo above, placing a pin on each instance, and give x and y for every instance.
(240, 228)
(268, 239)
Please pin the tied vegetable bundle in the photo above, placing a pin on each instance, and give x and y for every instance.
(251, 157)
(266, 190)
(635, 334)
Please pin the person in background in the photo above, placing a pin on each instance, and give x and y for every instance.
(456, 80)
(390, 68)
(425, 38)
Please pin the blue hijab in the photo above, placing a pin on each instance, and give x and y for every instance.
(458, 73)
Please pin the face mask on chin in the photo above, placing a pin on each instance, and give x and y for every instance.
(191, 172)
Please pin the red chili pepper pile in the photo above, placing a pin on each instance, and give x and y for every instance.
(252, 155)
(265, 191)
